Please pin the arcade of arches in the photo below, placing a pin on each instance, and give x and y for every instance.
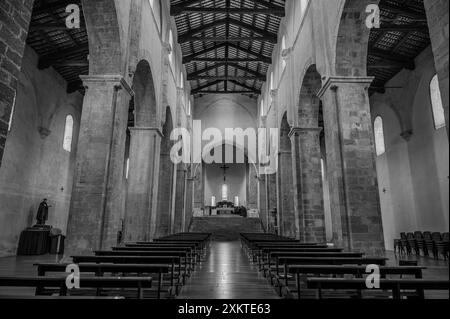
(86, 117)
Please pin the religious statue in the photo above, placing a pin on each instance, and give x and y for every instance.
(42, 214)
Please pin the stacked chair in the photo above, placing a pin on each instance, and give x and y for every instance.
(423, 243)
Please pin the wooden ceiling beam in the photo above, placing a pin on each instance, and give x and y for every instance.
(280, 12)
(227, 78)
(267, 4)
(225, 92)
(210, 68)
(252, 53)
(189, 36)
(402, 61)
(419, 27)
(244, 86)
(230, 39)
(191, 57)
(48, 60)
(205, 86)
(232, 60)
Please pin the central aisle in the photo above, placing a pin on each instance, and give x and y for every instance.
(227, 274)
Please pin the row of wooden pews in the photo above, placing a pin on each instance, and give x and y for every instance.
(317, 270)
(136, 270)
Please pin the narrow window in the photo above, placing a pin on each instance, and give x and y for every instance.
(224, 192)
(283, 47)
(262, 108)
(171, 47)
(127, 168)
(379, 136)
(436, 103)
(68, 134)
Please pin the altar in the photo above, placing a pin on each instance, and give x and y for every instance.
(225, 210)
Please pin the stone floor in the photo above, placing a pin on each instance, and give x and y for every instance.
(226, 273)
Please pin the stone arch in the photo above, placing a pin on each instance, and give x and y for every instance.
(309, 102)
(353, 39)
(105, 49)
(145, 114)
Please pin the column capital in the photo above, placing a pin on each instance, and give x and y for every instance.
(295, 130)
(332, 82)
(154, 129)
(117, 80)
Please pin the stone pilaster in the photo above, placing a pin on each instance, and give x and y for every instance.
(288, 220)
(354, 197)
(164, 213)
(307, 181)
(189, 202)
(180, 199)
(144, 150)
(262, 201)
(97, 196)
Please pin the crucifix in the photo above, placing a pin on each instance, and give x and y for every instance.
(224, 167)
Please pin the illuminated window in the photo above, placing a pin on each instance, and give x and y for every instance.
(12, 113)
(68, 134)
(283, 47)
(213, 201)
(182, 80)
(262, 108)
(189, 108)
(151, 3)
(171, 46)
(379, 136)
(272, 87)
(436, 103)
(224, 192)
(322, 166)
(127, 168)
(236, 201)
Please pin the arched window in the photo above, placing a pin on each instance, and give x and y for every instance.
(323, 169)
(182, 80)
(151, 3)
(379, 136)
(272, 86)
(127, 168)
(262, 108)
(224, 192)
(189, 110)
(68, 134)
(171, 47)
(283, 47)
(436, 103)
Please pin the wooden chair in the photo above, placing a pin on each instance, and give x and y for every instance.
(412, 243)
(404, 242)
(442, 247)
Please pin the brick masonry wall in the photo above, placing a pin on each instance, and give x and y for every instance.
(15, 16)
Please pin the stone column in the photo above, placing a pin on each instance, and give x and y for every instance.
(180, 199)
(262, 201)
(271, 199)
(288, 220)
(307, 181)
(199, 191)
(354, 197)
(97, 198)
(437, 17)
(144, 149)
(165, 195)
(252, 199)
(189, 202)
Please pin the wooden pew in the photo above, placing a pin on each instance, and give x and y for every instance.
(287, 261)
(138, 283)
(171, 260)
(394, 285)
(183, 254)
(100, 269)
(356, 271)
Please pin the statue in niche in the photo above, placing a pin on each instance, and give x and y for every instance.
(42, 214)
